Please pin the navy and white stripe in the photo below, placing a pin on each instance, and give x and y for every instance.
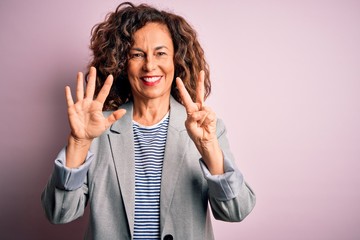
(149, 144)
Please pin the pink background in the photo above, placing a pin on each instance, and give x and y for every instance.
(286, 81)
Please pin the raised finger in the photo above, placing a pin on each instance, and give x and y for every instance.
(90, 88)
(200, 88)
(80, 86)
(69, 99)
(115, 116)
(185, 96)
(104, 92)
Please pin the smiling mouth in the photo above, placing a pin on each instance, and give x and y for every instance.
(151, 81)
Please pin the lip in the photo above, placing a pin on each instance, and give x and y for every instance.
(151, 80)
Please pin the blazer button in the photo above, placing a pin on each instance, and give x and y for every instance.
(168, 237)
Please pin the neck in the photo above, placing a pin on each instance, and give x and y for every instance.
(151, 111)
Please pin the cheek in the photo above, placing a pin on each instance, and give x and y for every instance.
(131, 72)
(170, 67)
(130, 69)
(133, 67)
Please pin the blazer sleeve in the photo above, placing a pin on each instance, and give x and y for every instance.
(231, 198)
(65, 195)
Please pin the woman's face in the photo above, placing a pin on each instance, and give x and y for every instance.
(151, 65)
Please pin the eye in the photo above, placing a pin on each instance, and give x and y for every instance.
(137, 55)
(160, 54)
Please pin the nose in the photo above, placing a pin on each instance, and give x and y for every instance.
(149, 64)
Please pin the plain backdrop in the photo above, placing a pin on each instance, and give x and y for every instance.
(286, 81)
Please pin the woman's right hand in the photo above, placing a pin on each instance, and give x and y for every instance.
(86, 118)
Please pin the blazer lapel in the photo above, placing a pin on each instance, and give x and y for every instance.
(122, 147)
(176, 142)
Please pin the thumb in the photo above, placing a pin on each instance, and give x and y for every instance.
(115, 116)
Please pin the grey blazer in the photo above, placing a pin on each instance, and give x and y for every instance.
(186, 186)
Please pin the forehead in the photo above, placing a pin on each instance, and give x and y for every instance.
(153, 34)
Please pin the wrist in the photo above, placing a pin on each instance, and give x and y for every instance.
(76, 151)
(212, 156)
(78, 143)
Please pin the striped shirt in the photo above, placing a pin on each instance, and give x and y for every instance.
(149, 144)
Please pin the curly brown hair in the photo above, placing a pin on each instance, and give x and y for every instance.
(112, 40)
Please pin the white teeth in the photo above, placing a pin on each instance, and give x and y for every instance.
(151, 79)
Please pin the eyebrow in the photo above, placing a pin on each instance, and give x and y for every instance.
(157, 48)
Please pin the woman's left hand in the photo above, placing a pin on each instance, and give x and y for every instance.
(201, 125)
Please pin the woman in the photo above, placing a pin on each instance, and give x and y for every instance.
(150, 164)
